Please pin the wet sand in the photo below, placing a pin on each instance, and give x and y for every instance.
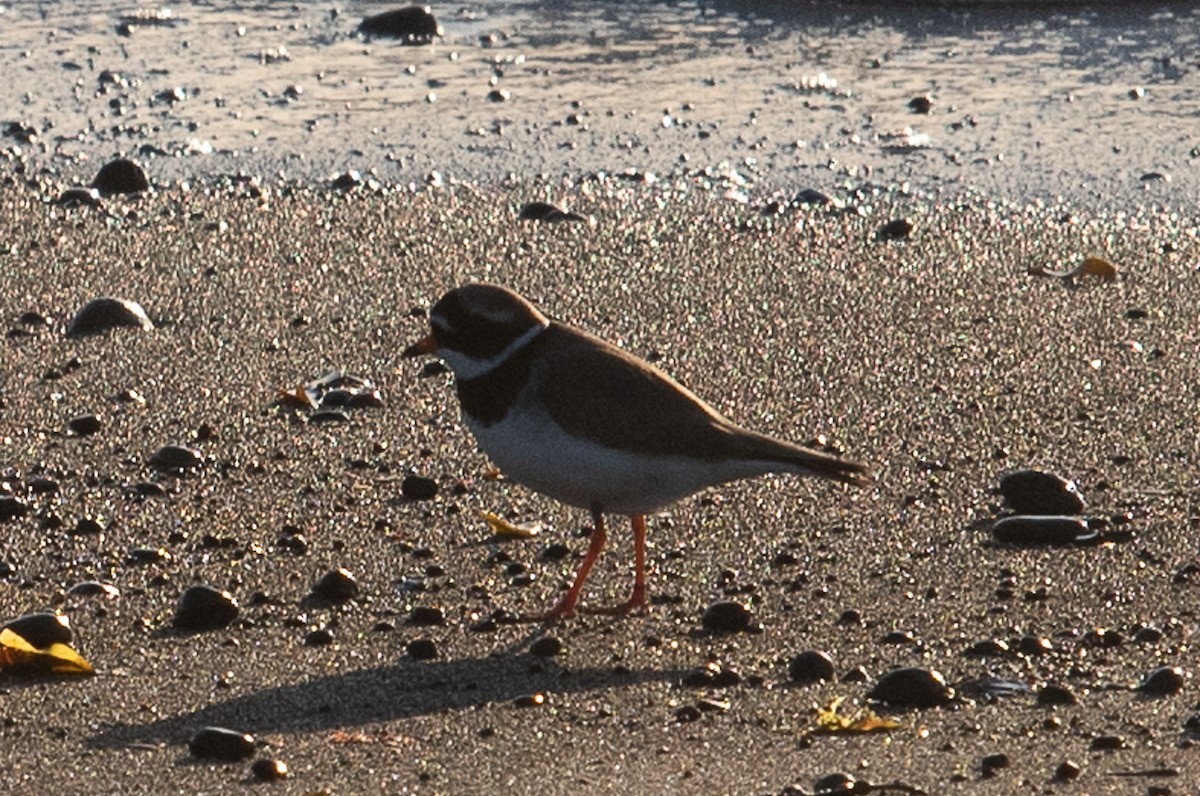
(938, 358)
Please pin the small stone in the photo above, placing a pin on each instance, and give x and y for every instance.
(896, 229)
(218, 743)
(687, 714)
(84, 425)
(267, 769)
(120, 176)
(1040, 493)
(422, 649)
(837, 782)
(89, 589)
(1107, 743)
(922, 104)
(1067, 770)
(336, 586)
(530, 700)
(727, 616)
(42, 630)
(544, 211)
(995, 762)
(545, 647)
(12, 507)
(425, 616)
(1051, 695)
(988, 648)
(1163, 681)
(87, 526)
(176, 459)
(1028, 529)
(912, 687)
(411, 25)
(105, 313)
(415, 487)
(320, 637)
(811, 666)
(1033, 646)
(205, 608)
(79, 197)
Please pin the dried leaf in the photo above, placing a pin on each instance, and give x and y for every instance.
(17, 653)
(831, 722)
(507, 530)
(1097, 266)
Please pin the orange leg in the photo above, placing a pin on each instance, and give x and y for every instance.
(565, 607)
(636, 604)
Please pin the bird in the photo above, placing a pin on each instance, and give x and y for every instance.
(589, 424)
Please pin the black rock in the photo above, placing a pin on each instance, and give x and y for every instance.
(912, 687)
(94, 588)
(84, 425)
(922, 104)
(727, 616)
(1040, 493)
(544, 211)
(1051, 695)
(120, 176)
(336, 586)
(321, 637)
(41, 629)
(205, 608)
(545, 647)
(266, 769)
(811, 666)
(77, 197)
(896, 229)
(422, 649)
(176, 459)
(411, 25)
(1030, 529)
(416, 487)
(1163, 681)
(218, 743)
(425, 616)
(105, 313)
(12, 507)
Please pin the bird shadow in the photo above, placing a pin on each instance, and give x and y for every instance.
(405, 689)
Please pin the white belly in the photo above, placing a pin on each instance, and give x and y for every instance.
(535, 452)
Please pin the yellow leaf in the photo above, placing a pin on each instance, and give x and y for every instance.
(831, 722)
(57, 658)
(1097, 266)
(507, 530)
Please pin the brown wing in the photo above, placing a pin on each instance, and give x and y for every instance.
(596, 390)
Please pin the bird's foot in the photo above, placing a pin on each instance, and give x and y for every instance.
(634, 606)
(563, 609)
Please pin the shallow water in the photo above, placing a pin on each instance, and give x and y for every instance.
(1093, 103)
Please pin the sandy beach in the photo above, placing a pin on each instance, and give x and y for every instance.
(939, 354)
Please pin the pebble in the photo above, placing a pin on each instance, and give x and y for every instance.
(837, 782)
(545, 647)
(105, 313)
(1040, 493)
(1163, 681)
(993, 763)
(321, 637)
(422, 649)
(336, 586)
(79, 197)
(87, 526)
(42, 629)
(218, 743)
(811, 666)
(416, 487)
(1051, 695)
(12, 507)
(94, 588)
(912, 687)
(922, 104)
(1028, 529)
(120, 176)
(530, 700)
(1107, 743)
(84, 425)
(425, 616)
(176, 459)
(203, 607)
(727, 616)
(896, 229)
(988, 648)
(266, 769)
(411, 25)
(544, 211)
(1067, 770)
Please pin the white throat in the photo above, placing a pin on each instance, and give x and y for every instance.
(467, 367)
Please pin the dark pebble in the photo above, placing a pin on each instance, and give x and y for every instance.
(267, 769)
(1051, 695)
(850, 616)
(1148, 635)
(336, 586)
(105, 313)
(1107, 743)
(995, 762)
(321, 637)
(415, 487)
(425, 615)
(328, 416)
(422, 649)
(897, 229)
(544, 211)
(411, 25)
(1102, 638)
(988, 648)
(12, 507)
(84, 425)
(545, 647)
(218, 743)
(1067, 770)
(1029, 529)
(899, 637)
(1040, 493)
(811, 666)
(911, 687)
(120, 176)
(811, 196)
(556, 551)
(176, 459)
(922, 104)
(205, 608)
(42, 629)
(1163, 681)
(530, 701)
(87, 526)
(93, 588)
(838, 782)
(687, 714)
(727, 616)
(1033, 645)
(79, 197)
